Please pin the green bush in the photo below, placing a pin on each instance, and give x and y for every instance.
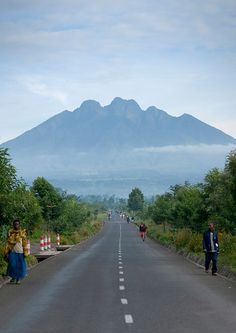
(182, 238)
(228, 261)
(195, 243)
(3, 263)
(65, 239)
(157, 232)
(31, 261)
(185, 239)
(152, 233)
(86, 230)
(164, 238)
(37, 233)
(227, 243)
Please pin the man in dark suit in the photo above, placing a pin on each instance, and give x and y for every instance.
(211, 248)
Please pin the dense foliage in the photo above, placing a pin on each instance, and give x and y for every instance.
(41, 206)
(183, 206)
(193, 206)
(136, 200)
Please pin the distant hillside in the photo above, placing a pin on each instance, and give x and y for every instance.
(115, 139)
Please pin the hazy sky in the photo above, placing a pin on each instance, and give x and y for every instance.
(179, 55)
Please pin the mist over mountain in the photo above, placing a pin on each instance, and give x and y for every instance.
(110, 149)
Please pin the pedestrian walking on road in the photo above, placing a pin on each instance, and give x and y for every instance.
(15, 253)
(211, 248)
(143, 230)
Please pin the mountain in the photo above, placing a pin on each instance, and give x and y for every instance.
(120, 124)
(118, 140)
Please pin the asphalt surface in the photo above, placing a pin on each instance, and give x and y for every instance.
(116, 283)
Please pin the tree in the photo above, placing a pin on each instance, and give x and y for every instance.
(230, 170)
(187, 208)
(213, 191)
(136, 200)
(16, 201)
(218, 198)
(122, 204)
(49, 199)
(23, 205)
(73, 215)
(160, 210)
(8, 181)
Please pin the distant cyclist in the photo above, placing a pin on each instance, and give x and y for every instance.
(128, 219)
(143, 230)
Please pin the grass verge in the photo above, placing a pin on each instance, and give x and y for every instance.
(85, 231)
(188, 242)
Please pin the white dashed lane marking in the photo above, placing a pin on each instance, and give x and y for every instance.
(129, 319)
(124, 301)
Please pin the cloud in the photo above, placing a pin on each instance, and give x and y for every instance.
(202, 148)
(159, 25)
(37, 86)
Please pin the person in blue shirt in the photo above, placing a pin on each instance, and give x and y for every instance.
(211, 248)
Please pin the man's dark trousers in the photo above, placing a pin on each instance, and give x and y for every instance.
(211, 256)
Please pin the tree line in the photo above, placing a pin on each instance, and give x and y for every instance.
(183, 206)
(192, 206)
(38, 206)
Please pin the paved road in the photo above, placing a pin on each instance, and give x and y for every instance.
(116, 283)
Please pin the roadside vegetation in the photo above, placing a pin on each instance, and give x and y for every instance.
(179, 217)
(176, 218)
(188, 242)
(42, 208)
